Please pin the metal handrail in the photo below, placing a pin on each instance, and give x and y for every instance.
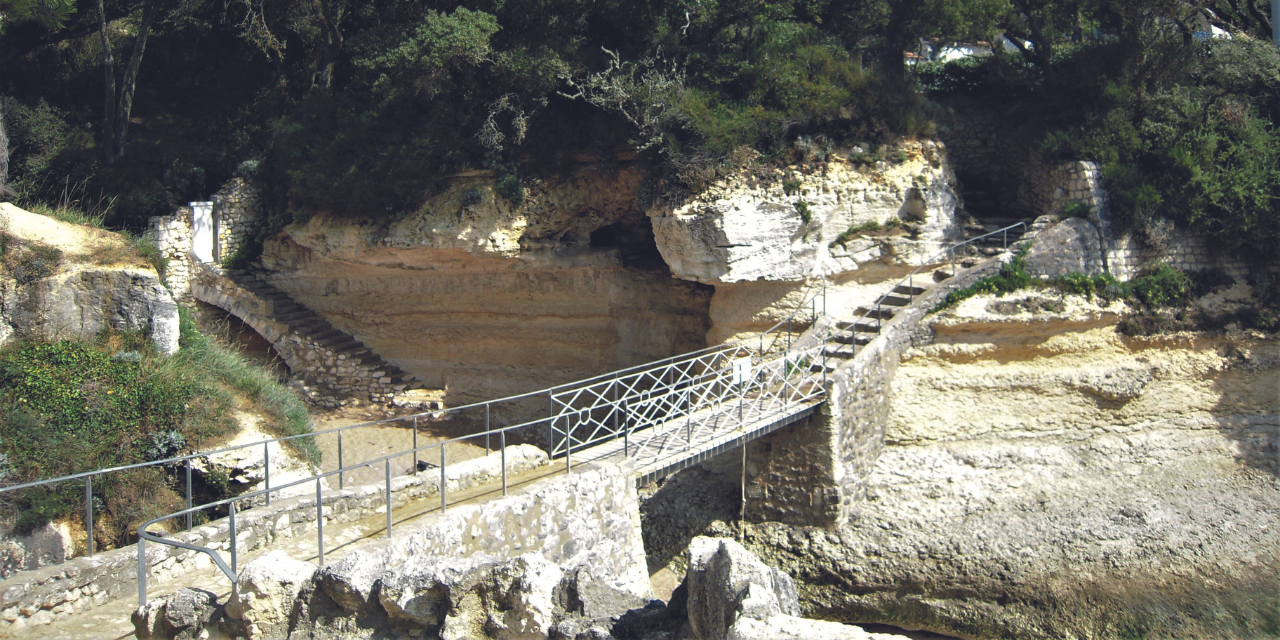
(668, 388)
(88, 475)
(949, 252)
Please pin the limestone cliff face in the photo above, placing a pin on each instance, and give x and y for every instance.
(759, 236)
(61, 280)
(487, 299)
(1046, 476)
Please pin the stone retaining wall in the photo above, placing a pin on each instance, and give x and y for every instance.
(590, 517)
(42, 596)
(237, 217)
(172, 234)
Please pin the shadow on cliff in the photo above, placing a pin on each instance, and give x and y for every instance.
(1248, 408)
(694, 502)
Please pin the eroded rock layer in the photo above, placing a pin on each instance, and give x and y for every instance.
(1046, 476)
(486, 300)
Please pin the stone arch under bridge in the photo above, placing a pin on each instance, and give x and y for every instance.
(332, 362)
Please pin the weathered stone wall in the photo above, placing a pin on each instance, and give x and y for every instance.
(237, 215)
(172, 234)
(590, 517)
(39, 597)
(1126, 254)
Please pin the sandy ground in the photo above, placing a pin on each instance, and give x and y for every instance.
(375, 441)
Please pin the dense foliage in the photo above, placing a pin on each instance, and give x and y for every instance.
(366, 106)
(116, 402)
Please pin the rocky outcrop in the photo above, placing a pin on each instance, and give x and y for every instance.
(47, 545)
(1073, 245)
(758, 237)
(182, 616)
(781, 224)
(263, 601)
(728, 594)
(1047, 476)
(62, 280)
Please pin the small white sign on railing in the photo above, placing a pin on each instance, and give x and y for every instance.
(741, 370)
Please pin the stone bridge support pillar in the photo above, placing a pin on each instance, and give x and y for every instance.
(813, 473)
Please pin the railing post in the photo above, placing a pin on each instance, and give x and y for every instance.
(626, 432)
(188, 493)
(551, 424)
(502, 440)
(319, 522)
(388, 461)
(341, 485)
(142, 570)
(234, 569)
(266, 469)
(415, 444)
(444, 501)
(486, 428)
(88, 512)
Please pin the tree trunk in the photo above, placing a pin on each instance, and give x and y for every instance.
(331, 14)
(125, 103)
(4, 158)
(109, 75)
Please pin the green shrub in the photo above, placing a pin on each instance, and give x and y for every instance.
(1076, 210)
(1102, 285)
(802, 208)
(1012, 277)
(511, 188)
(1162, 286)
(116, 402)
(791, 184)
(145, 244)
(870, 226)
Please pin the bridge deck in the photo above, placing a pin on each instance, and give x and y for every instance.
(681, 443)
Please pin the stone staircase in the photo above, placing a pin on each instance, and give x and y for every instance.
(848, 336)
(308, 324)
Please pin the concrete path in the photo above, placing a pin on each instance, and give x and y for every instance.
(111, 621)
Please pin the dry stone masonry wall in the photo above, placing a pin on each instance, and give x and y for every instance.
(327, 375)
(237, 214)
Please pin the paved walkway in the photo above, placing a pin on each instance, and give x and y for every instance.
(111, 621)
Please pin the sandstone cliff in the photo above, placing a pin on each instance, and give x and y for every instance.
(1046, 476)
(485, 298)
(760, 236)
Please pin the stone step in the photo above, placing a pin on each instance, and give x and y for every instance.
(829, 366)
(322, 336)
(302, 320)
(340, 344)
(841, 351)
(884, 313)
(909, 290)
(891, 300)
(850, 337)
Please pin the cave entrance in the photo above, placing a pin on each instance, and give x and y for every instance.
(235, 333)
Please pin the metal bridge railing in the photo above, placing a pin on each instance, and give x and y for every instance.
(714, 390)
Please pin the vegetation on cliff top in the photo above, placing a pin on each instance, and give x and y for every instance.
(365, 107)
